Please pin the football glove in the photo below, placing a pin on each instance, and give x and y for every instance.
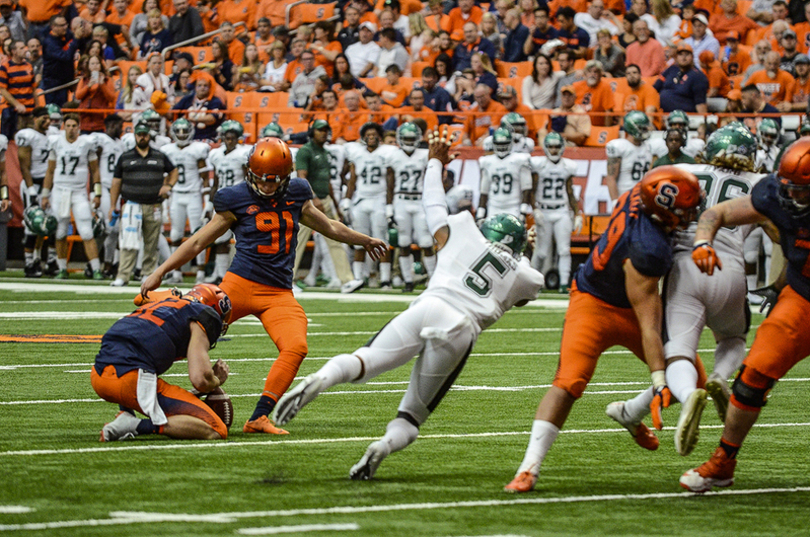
(480, 214)
(33, 196)
(389, 215)
(705, 257)
(770, 295)
(662, 397)
(578, 223)
(525, 209)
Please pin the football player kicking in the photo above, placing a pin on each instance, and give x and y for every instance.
(615, 301)
(139, 348)
(694, 300)
(781, 341)
(264, 213)
(479, 276)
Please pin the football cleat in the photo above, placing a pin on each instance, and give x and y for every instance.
(716, 472)
(52, 269)
(642, 435)
(687, 433)
(523, 482)
(718, 389)
(62, 275)
(123, 427)
(352, 286)
(294, 400)
(367, 466)
(33, 270)
(262, 425)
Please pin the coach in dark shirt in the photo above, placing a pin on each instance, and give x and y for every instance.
(681, 86)
(143, 177)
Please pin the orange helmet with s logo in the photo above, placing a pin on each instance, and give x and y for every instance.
(211, 295)
(794, 178)
(671, 197)
(271, 161)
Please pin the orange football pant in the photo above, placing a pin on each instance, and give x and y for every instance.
(173, 400)
(284, 321)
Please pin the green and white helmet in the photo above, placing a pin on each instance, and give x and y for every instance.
(637, 125)
(732, 146)
(54, 112)
(273, 130)
(502, 142)
(153, 119)
(677, 119)
(518, 125)
(99, 225)
(553, 146)
(231, 126)
(38, 222)
(768, 133)
(408, 137)
(506, 230)
(182, 131)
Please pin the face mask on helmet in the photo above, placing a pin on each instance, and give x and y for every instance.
(38, 222)
(677, 120)
(182, 132)
(768, 133)
(213, 296)
(270, 161)
(273, 130)
(408, 137)
(506, 231)
(516, 125)
(553, 147)
(502, 142)
(231, 126)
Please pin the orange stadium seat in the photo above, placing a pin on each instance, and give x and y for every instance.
(511, 70)
(418, 67)
(249, 101)
(600, 136)
(306, 13)
(199, 54)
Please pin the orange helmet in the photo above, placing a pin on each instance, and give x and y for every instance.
(269, 160)
(671, 196)
(211, 295)
(794, 178)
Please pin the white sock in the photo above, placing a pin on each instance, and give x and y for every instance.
(221, 264)
(341, 369)
(406, 267)
(429, 261)
(357, 269)
(682, 379)
(51, 254)
(62, 263)
(728, 356)
(385, 271)
(564, 266)
(399, 434)
(639, 406)
(752, 281)
(543, 435)
(29, 257)
(95, 264)
(163, 249)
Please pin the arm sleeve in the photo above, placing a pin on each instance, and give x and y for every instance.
(526, 176)
(433, 198)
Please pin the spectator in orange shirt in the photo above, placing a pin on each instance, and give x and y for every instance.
(641, 97)
(417, 109)
(688, 12)
(121, 14)
(274, 10)
(712, 7)
(437, 20)
(729, 20)
(799, 92)
(394, 92)
(579, 6)
(235, 11)
(328, 106)
(594, 94)
(734, 58)
(263, 38)
(380, 112)
(772, 81)
(294, 66)
(509, 99)
(92, 12)
(477, 125)
(646, 52)
(349, 121)
(466, 12)
(236, 49)
(803, 30)
(325, 47)
(719, 84)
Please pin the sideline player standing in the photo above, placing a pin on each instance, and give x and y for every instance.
(72, 159)
(479, 276)
(615, 301)
(506, 179)
(110, 148)
(628, 158)
(781, 341)
(264, 213)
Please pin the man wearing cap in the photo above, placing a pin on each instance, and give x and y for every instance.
(185, 23)
(364, 54)
(733, 58)
(575, 125)
(700, 40)
(730, 21)
(312, 162)
(772, 81)
(799, 91)
(646, 52)
(682, 86)
(143, 177)
(790, 47)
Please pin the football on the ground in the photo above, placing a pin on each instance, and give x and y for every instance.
(221, 404)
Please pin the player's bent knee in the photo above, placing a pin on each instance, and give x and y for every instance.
(750, 390)
(574, 388)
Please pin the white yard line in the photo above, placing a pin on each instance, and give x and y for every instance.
(127, 518)
(303, 528)
(14, 509)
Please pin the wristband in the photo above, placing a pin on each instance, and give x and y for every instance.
(97, 189)
(700, 243)
(3, 193)
(659, 378)
(46, 193)
(33, 190)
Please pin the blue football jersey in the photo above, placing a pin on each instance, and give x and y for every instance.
(266, 231)
(794, 233)
(630, 235)
(154, 336)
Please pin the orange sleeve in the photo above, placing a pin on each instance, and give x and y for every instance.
(606, 98)
(715, 79)
(82, 90)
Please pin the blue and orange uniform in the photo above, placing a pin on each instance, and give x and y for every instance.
(600, 315)
(145, 344)
(259, 280)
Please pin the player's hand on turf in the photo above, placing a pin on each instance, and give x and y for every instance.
(439, 142)
(661, 400)
(221, 371)
(376, 248)
(150, 283)
(705, 257)
(770, 295)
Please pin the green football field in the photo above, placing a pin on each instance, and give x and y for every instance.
(57, 479)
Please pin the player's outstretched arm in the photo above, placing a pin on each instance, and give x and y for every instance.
(433, 196)
(338, 231)
(734, 212)
(219, 224)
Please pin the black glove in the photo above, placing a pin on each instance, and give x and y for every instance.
(770, 295)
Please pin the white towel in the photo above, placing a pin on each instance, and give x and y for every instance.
(130, 236)
(147, 397)
(65, 195)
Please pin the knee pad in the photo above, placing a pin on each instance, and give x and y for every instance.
(751, 256)
(85, 229)
(751, 388)
(574, 388)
